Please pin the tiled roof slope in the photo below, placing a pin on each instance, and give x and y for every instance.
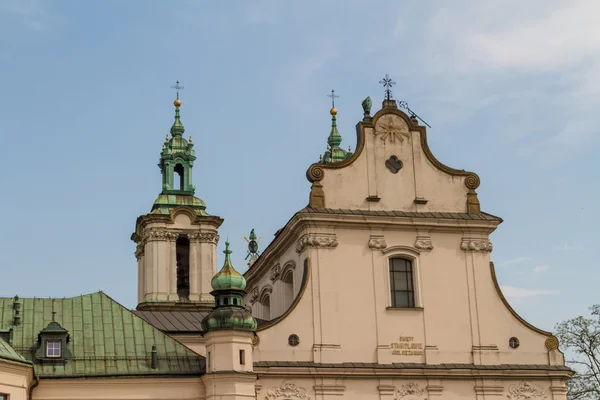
(8, 353)
(106, 339)
(185, 322)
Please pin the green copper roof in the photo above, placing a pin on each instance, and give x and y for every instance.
(228, 277)
(229, 311)
(165, 203)
(8, 353)
(177, 128)
(106, 339)
(334, 153)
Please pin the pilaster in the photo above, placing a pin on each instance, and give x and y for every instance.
(172, 268)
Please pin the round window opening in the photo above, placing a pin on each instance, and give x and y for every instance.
(293, 340)
(513, 342)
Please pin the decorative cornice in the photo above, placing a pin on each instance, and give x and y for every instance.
(377, 242)
(476, 244)
(275, 273)
(326, 241)
(424, 243)
(491, 390)
(331, 390)
(410, 389)
(287, 390)
(204, 237)
(435, 390)
(526, 391)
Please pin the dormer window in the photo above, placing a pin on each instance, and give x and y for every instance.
(53, 349)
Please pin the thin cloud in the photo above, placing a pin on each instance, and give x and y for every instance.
(541, 268)
(514, 292)
(517, 260)
(29, 12)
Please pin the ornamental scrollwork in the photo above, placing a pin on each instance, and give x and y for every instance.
(155, 234)
(424, 243)
(377, 243)
(287, 390)
(139, 250)
(410, 389)
(275, 273)
(172, 236)
(393, 128)
(327, 241)
(552, 343)
(254, 295)
(526, 391)
(203, 237)
(482, 245)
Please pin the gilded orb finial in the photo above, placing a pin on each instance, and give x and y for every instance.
(190, 139)
(177, 103)
(333, 111)
(163, 146)
(166, 138)
(349, 149)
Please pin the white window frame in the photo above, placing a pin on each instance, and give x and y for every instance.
(48, 342)
(411, 254)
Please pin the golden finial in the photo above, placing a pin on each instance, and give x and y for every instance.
(320, 157)
(166, 138)
(163, 146)
(333, 96)
(190, 139)
(177, 87)
(333, 111)
(349, 149)
(177, 103)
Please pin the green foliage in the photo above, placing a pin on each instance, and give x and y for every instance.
(581, 336)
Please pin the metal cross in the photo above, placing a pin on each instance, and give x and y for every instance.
(333, 97)
(387, 83)
(177, 88)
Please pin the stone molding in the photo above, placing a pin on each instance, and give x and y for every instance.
(275, 273)
(152, 235)
(320, 240)
(204, 237)
(435, 390)
(526, 391)
(424, 243)
(386, 390)
(476, 244)
(410, 389)
(377, 242)
(329, 390)
(551, 343)
(287, 390)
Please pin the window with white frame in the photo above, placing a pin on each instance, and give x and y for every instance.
(402, 285)
(53, 348)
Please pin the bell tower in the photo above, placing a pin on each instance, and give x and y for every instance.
(177, 240)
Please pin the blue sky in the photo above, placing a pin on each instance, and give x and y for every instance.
(511, 90)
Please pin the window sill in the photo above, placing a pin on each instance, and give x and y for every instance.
(404, 308)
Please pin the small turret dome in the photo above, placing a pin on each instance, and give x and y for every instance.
(228, 278)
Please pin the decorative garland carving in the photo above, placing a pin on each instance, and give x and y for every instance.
(275, 273)
(424, 243)
(482, 245)
(392, 127)
(327, 241)
(155, 234)
(287, 390)
(203, 237)
(526, 391)
(377, 243)
(410, 389)
(552, 343)
(254, 295)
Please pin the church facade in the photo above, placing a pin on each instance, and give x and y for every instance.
(382, 288)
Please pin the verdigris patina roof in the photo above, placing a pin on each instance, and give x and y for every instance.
(8, 353)
(106, 339)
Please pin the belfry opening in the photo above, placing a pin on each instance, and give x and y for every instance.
(182, 250)
(179, 170)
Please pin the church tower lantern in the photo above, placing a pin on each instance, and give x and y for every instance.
(177, 240)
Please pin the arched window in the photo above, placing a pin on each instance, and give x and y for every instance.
(183, 267)
(179, 170)
(288, 288)
(265, 303)
(402, 285)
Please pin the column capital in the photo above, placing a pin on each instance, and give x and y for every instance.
(203, 237)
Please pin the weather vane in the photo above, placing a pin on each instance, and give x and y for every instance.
(177, 88)
(253, 252)
(333, 97)
(403, 104)
(387, 83)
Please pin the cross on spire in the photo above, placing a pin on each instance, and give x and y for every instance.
(333, 97)
(387, 83)
(177, 87)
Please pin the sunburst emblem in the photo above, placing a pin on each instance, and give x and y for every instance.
(388, 128)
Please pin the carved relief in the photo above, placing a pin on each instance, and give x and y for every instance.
(287, 390)
(377, 243)
(155, 234)
(327, 241)
(139, 250)
(526, 391)
(393, 128)
(254, 295)
(275, 273)
(171, 236)
(483, 245)
(424, 243)
(552, 343)
(203, 237)
(410, 389)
